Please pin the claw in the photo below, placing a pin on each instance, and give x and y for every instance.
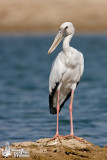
(73, 137)
(56, 136)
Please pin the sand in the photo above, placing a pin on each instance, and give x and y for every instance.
(47, 15)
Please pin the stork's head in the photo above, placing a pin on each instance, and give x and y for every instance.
(66, 29)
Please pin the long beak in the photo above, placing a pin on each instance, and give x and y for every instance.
(56, 42)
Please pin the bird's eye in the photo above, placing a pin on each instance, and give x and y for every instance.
(66, 27)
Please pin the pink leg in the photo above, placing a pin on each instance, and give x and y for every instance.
(70, 110)
(57, 130)
(71, 119)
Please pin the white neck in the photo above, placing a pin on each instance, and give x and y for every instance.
(66, 42)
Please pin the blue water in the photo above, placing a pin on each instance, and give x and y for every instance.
(24, 73)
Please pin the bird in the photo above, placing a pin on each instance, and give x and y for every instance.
(66, 72)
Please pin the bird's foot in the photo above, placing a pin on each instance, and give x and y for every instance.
(73, 137)
(56, 136)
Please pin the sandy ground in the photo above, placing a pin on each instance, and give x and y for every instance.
(54, 150)
(47, 15)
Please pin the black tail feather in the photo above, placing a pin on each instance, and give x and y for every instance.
(54, 110)
(67, 97)
(51, 108)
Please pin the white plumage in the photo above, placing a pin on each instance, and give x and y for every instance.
(66, 72)
(67, 68)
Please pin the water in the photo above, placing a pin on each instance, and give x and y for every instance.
(24, 72)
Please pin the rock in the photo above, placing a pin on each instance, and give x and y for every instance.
(23, 144)
(43, 149)
(72, 143)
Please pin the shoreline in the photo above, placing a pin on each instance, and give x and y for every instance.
(50, 33)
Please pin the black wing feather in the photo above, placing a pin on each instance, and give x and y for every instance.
(51, 108)
(67, 97)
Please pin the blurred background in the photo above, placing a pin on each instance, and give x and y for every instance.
(27, 30)
(34, 15)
